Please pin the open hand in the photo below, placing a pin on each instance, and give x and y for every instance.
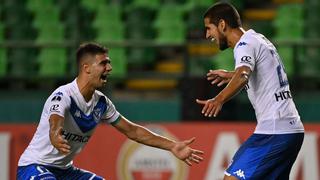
(59, 142)
(185, 153)
(210, 107)
(219, 76)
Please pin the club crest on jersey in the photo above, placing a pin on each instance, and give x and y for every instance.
(77, 114)
(97, 114)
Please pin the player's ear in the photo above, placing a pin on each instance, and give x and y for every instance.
(86, 68)
(222, 25)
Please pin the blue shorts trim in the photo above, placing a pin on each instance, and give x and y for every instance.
(38, 172)
(266, 157)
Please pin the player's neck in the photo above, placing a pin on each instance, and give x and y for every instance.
(234, 36)
(85, 89)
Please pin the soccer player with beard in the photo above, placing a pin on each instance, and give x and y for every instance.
(70, 116)
(271, 150)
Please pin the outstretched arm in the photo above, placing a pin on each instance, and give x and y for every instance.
(142, 135)
(238, 81)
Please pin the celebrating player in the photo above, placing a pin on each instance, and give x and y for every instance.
(271, 151)
(70, 116)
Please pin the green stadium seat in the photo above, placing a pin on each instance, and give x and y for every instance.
(141, 56)
(170, 25)
(138, 19)
(46, 17)
(52, 62)
(92, 5)
(192, 4)
(21, 62)
(107, 15)
(118, 62)
(194, 23)
(3, 62)
(39, 5)
(224, 60)
(3, 54)
(289, 27)
(108, 24)
(113, 35)
(173, 34)
(286, 54)
(147, 4)
(51, 33)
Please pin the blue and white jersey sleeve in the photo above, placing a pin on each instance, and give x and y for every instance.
(58, 103)
(244, 54)
(111, 114)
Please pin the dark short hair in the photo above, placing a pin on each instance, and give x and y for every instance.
(90, 48)
(225, 11)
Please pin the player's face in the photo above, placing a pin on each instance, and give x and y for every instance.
(100, 69)
(214, 34)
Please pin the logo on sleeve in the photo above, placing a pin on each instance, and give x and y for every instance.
(246, 59)
(240, 173)
(57, 96)
(54, 108)
(242, 44)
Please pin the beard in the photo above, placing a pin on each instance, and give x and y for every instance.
(223, 43)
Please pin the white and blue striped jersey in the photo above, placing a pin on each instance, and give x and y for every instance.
(81, 119)
(268, 88)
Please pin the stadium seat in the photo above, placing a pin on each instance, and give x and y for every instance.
(192, 4)
(169, 24)
(139, 29)
(141, 57)
(195, 23)
(92, 5)
(46, 17)
(147, 4)
(38, 5)
(118, 62)
(52, 62)
(107, 15)
(224, 60)
(286, 54)
(21, 62)
(108, 24)
(289, 28)
(3, 54)
(171, 34)
(51, 33)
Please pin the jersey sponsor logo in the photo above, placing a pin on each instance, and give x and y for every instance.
(75, 137)
(246, 59)
(282, 95)
(242, 44)
(240, 174)
(54, 108)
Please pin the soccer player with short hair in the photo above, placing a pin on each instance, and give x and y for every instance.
(271, 150)
(70, 116)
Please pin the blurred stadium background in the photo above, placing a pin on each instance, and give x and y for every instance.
(158, 51)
